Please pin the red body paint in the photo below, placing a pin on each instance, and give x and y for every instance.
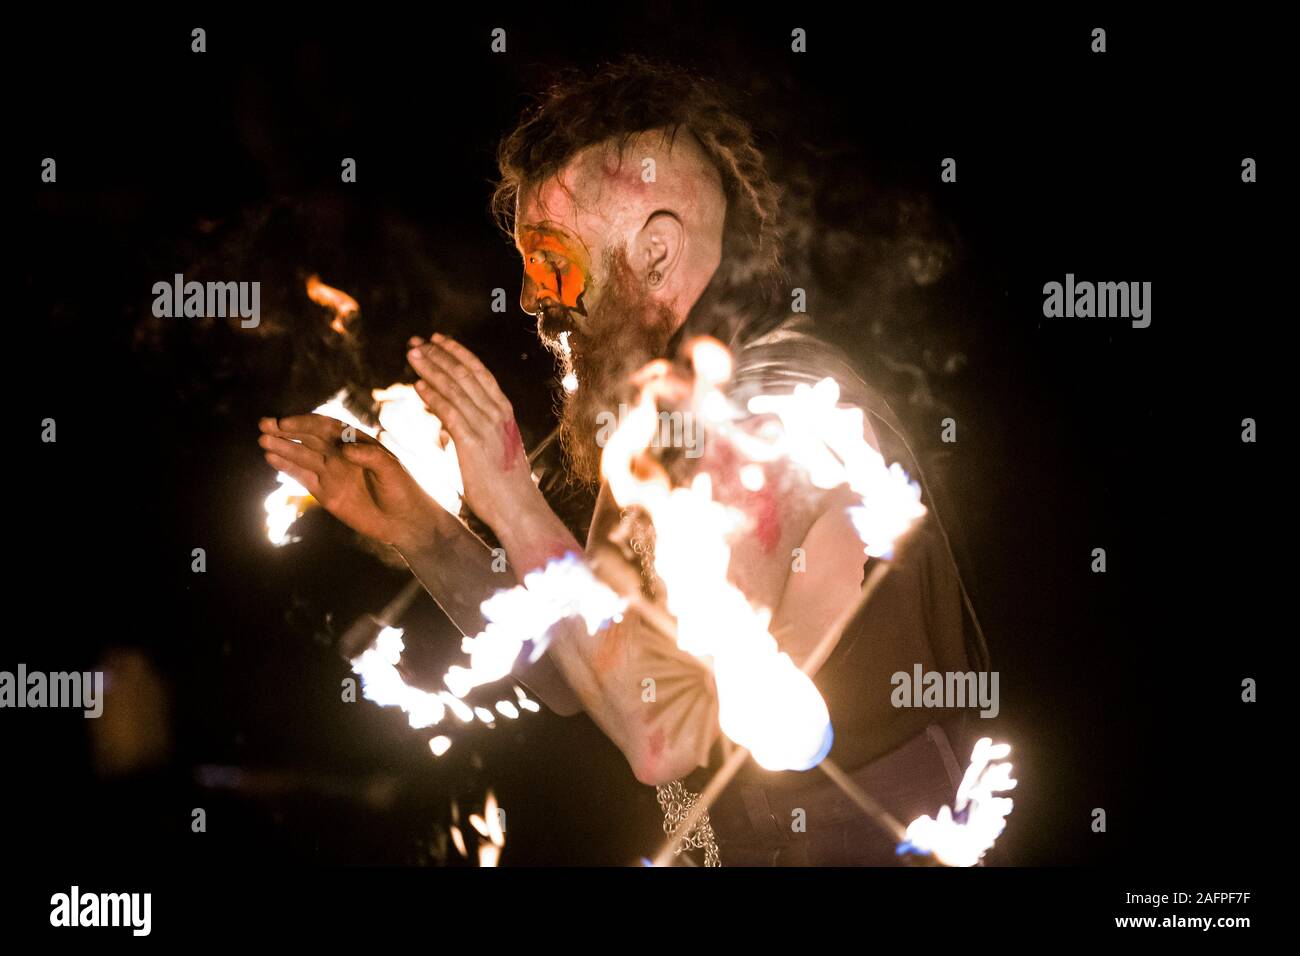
(767, 518)
(514, 445)
(763, 506)
(655, 745)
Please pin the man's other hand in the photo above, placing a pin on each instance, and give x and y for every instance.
(476, 415)
(359, 482)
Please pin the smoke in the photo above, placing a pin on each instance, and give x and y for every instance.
(294, 358)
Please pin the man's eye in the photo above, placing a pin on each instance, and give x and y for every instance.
(550, 260)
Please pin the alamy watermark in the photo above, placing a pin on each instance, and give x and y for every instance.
(1101, 300)
(674, 430)
(80, 691)
(195, 300)
(103, 909)
(946, 689)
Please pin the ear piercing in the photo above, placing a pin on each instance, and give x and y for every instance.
(655, 277)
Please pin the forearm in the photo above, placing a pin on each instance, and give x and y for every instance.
(457, 569)
(534, 535)
(655, 702)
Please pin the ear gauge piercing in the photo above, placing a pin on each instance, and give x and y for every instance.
(655, 277)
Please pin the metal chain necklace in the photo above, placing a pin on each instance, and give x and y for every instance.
(676, 802)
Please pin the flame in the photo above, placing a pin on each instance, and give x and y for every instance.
(489, 827)
(458, 707)
(524, 702)
(765, 703)
(490, 809)
(283, 507)
(287, 503)
(410, 431)
(961, 836)
(382, 682)
(507, 709)
(826, 440)
(406, 428)
(337, 409)
(342, 304)
(459, 840)
(564, 588)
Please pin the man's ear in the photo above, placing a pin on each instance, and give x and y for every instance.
(658, 248)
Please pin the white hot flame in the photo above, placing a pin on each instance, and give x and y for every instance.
(283, 506)
(827, 441)
(524, 702)
(382, 682)
(496, 833)
(564, 588)
(406, 428)
(961, 836)
(765, 702)
(490, 828)
(410, 431)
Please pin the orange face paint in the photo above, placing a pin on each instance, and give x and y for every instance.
(557, 265)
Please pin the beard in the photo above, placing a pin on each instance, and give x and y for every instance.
(617, 338)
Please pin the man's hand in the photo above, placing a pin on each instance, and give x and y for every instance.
(366, 488)
(359, 482)
(479, 419)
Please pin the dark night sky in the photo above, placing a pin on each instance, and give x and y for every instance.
(1118, 690)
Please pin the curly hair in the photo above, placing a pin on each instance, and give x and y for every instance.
(634, 94)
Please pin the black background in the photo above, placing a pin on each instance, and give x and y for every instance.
(1119, 691)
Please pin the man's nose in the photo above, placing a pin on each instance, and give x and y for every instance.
(531, 295)
(528, 295)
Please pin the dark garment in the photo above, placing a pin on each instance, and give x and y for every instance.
(919, 616)
(818, 825)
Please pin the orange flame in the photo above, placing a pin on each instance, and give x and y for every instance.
(343, 305)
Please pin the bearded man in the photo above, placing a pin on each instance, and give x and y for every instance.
(644, 216)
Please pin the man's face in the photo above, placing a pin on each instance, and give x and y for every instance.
(557, 266)
(613, 324)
